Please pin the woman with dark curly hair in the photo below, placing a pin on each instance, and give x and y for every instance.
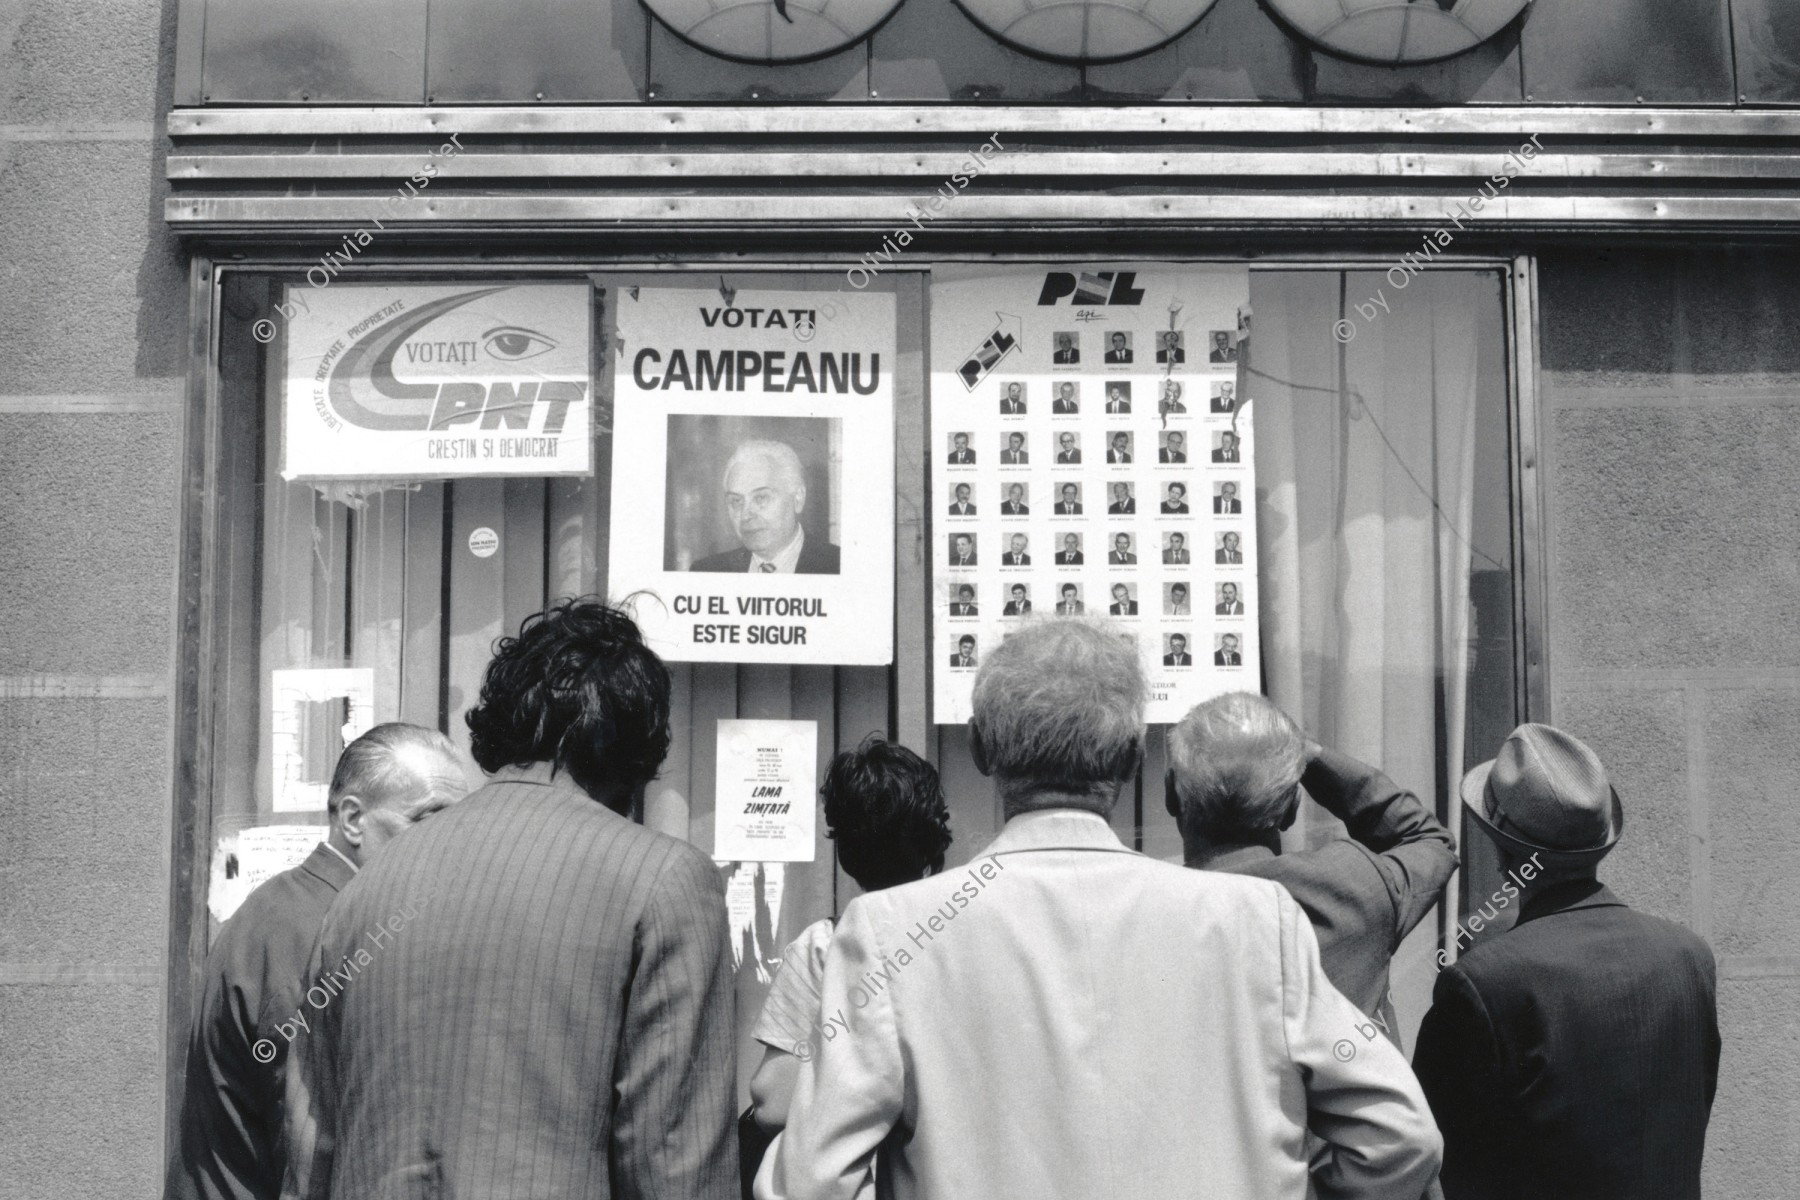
(884, 807)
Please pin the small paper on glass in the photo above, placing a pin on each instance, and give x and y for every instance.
(313, 714)
(766, 785)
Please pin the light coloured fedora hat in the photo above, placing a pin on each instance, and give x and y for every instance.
(1546, 793)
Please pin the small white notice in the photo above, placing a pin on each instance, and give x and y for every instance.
(246, 860)
(313, 715)
(766, 788)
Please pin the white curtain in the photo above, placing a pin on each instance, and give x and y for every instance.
(1365, 469)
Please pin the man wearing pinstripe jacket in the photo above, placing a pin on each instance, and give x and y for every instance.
(532, 998)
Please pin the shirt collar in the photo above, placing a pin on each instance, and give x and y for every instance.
(784, 561)
(1056, 829)
(1562, 897)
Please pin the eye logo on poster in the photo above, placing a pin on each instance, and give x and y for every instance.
(772, 31)
(434, 382)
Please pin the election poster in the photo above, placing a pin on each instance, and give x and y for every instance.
(416, 381)
(1093, 450)
(753, 460)
(765, 795)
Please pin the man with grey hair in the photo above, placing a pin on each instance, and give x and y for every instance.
(1236, 766)
(1065, 1018)
(388, 779)
(765, 493)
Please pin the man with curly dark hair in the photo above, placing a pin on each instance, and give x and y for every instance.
(530, 994)
(884, 807)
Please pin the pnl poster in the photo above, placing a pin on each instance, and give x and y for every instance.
(1092, 455)
(753, 467)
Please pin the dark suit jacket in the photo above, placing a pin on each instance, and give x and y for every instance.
(255, 978)
(959, 609)
(1178, 660)
(1128, 609)
(1234, 608)
(1224, 456)
(1015, 457)
(1118, 406)
(1221, 405)
(1063, 408)
(967, 456)
(548, 1011)
(1234, 659)
(1069, 558)
(957, 661)
(1008, 406)
(1068, 510)
(1174, 509)
(1226, 556)
(962, 510)
(1162, 356)
(1118, 456)
(1117, 559)
(957, 562)
(1363, 895)
(816, 558)
(1171, 456)
(1222, 356)
(1066, 356)
(1123, 509)
(1015, 510)
(1016, 608)
(1009, 559)
(1118, 356)
(1575, 1056)
(1068, 456)
(1222, 505)
(1176, 557)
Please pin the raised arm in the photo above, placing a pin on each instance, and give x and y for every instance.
(1362, 1099)
(674, 1132)
(1416, 853)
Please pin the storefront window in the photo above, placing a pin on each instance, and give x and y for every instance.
(1384, 524)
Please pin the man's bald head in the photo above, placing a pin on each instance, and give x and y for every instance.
(391, 777)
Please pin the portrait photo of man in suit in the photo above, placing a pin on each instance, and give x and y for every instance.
(1118, 398)
(1227, 654)
(1070, 504)
(765, 496)
(1176, 604)
(232, 1108)
(965, 652)
(1227, 449)
(1070, 605)
(960, 507)
(1070, 555)
(1020, 603)
(1224, 398)
(1068, 350)
(1225, 499)
(1123, 505)
(1174, 448)
(1178, 655)
(1068, 400)
(1229, 605)
(1228, 552)
(1068, 453)
(1120, 352)
(1121, 554)
(1123, 605)
(964, 605)
(1015, 454)
(1120, 449)
(1222, 349)
(960, 454)
(1170, 403)
(962, 550)
(1176, 552)
(1016, 556)
(1176, 503)
(1014, 504)
(1171, 350)
(1012, 401)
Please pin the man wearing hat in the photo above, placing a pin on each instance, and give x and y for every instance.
(1576, 1054)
